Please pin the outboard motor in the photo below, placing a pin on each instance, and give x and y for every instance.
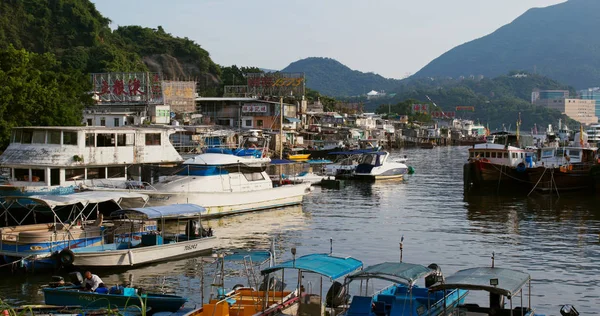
(76, 278)
(433, 278)
(336, 295)
(191, 228)
(568, 310)
(57, 281)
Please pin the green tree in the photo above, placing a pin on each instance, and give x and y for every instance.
(33, 91)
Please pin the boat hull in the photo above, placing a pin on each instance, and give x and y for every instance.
(557, 179)
(480, 176)
(73, 297)
(143, 255)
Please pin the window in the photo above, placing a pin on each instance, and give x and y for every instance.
(259, 123)
(90, 122)
(105, 140)
(494, 154)
(38, 175)
(116, 122)
(54, 176)
(22, 174)
(17, 138)
(90, 140)
(69, 138)
(54, 137)
(471, 154)
(152, 139)
(574, 153)
(96, 173)
(74, 174)
(505, 155)
(254, 176)
(102, 122)
(514, 155)
(39, 137)
(116, 172)
(248, 122)
(27, 137)
(487, 154)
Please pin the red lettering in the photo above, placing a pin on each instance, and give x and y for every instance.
(118, 87)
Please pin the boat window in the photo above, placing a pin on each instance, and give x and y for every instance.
(116, 172)
(55, 176)
(368, 159)
(505, 155)
(487, 154)
(38, 175)
(254, 176)
(574, 153)
(22, 174)
(125, 139)
(54, 137)
(39, 137)
(105, 140)
(90, 139)
(547, 153)
(96, 173)
(494, 154)
(560, 152)
(514, 155)
(27, 136)
(69, 138)
(17, 138)
(472, 154)
(152, 139)
(74, 174)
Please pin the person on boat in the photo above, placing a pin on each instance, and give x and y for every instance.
(92, 282)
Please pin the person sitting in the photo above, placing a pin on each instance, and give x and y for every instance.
(92, 282)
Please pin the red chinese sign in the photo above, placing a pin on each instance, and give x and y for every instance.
(439, 114)
(420, 108)
(254, 109)
(139, 87)
(276, 84)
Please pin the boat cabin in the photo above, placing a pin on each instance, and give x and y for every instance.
(500, 154)
(566, 155)
(68, 156)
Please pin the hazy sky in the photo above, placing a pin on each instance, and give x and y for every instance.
(393, 38)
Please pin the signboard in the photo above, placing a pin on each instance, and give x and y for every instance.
(465, 108)
(439, 114)
(255, 108)
(420, 108)
(276, 84)
(128, 87)
(180, 95)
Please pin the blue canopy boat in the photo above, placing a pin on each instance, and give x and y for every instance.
(501, 283)
(115, 297)
(403, 297)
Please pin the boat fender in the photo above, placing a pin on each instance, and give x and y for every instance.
(66, 257)
(411, 170)
(521, 167)
(130, 255)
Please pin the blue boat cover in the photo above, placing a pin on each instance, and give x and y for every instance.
(257, 256)
(293, 120)
(281, 161)
(510, 281)
(397, 272)
(319, 161)
(324, 264)
(168, 211)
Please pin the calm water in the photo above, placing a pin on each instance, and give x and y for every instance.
(554, 239)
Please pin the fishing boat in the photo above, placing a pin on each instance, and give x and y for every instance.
(165, 243)
(403, 296)
(59, 160)
(500, 283)
(224, 184)
(375, 166)
(115, 297)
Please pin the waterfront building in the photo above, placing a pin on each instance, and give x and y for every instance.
(592, 94)
(580, 110)
(537, 94)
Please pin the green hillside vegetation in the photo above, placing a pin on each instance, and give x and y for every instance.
(59, 42)
(330, 77)
(554, 41)
(498, 101)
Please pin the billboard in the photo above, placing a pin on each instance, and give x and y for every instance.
(127, 87)
(276, 84)
(255, 108)
(439, 114)
(180, 95)
(420, 108)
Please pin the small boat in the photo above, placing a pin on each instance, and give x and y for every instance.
(500, 283)
(165, 243)
(403, 296)
(298, 157)
(115, 297)
(375, 166)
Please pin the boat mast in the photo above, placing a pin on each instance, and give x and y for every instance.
(281, 128)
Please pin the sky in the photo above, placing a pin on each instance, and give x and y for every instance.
(394, 38)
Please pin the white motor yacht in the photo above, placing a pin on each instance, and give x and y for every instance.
(375, 166)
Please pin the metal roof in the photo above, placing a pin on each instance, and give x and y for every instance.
(328, 265)
(510, 281)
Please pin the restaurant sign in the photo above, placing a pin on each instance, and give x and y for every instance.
(127, 87)
(281, 84)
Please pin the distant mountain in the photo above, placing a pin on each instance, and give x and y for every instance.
(558, 41)
(330, 77)
(267, 70)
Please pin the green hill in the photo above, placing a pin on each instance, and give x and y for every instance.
(330, 77)
(555, 41)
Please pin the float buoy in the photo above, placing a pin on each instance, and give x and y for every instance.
(411, 170)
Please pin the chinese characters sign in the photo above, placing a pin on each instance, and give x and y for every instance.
(180, 95)
(439, 114)
(276, 84)
(128, 87)
(420, 108)
(254, 108)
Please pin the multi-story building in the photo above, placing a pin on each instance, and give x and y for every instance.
(548, 95)
(583, 111)
(592, 94)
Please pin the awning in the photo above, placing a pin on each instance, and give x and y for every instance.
(324, 264)
(166, 212)
(397, 272)
(293, 120)
(479, 279)
(83, 198)
(253, 255)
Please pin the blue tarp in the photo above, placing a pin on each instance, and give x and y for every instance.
(319, 161)
(281, 162)
(293, 120)
(324, 264)
(168, 211)
(257, 256)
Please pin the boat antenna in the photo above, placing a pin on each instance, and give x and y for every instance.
(493, 258)
(401, 246)
(294, 256)
(330, 246)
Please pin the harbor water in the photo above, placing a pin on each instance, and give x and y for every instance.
(555, 239)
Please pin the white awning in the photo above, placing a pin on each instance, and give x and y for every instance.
(83, 198)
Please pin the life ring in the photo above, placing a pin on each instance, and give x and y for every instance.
(66, 257)
(521, 167)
